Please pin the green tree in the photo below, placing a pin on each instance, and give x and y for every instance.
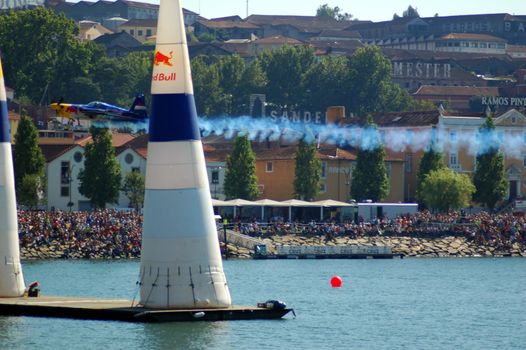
(240, 177)
(307, 172)
(133, 188)
(431, 160)
(369, 178)
(27, 156)
(210, 99)
(253, 81)
(445, 189)
(231, 69)
(370, 73)
(489, 179)
(101, 177)
(284, 69)
(326, 83)
(30, 190)
(325, 11)
(411, 12)
(42, 52)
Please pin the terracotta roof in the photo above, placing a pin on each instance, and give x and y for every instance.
(13, 115)
(117, 140)
(52, 152)
(333, 152)
(418, 118)
(225, 24)
(457, 90)
(140, 23)
(471, 36)
(303, 23)
(349, 34)
(278, 39)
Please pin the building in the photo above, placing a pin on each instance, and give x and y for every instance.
(90, 30)
(140, 29)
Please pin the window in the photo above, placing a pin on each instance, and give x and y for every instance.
(270, 167)
(324, 170)
(408, 163)
(78, 157)
(64, 173)
(453, 136)
(453, 159)
(215, 176)
(148, 32)
(323, 187)
(64, 191)
(132, 32)
(128, 158)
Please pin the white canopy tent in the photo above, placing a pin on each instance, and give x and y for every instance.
(268, 203)
(272, 203)
(327, 203)
(297, 203)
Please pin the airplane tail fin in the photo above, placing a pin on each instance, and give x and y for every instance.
(139, 106)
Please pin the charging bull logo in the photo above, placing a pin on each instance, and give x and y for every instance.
(161, 58)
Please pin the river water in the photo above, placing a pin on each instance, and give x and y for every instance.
(383, 304)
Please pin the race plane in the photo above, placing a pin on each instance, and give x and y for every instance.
(102, 111)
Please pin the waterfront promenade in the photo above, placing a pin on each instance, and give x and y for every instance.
(110, 234)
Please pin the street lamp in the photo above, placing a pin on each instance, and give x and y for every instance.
(215, 179)
(70, 179)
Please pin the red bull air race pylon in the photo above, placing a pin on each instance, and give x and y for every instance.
(11, 278)
(181, 263)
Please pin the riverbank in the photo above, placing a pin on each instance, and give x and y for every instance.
(408, 246)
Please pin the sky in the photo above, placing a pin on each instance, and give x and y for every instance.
(374, 10)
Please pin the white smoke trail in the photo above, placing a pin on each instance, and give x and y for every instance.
(393, 139)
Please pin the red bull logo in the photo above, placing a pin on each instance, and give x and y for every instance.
(161, 58)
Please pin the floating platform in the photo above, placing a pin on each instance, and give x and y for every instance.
(122, 310)
(327, 252)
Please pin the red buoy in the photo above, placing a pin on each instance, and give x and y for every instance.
(336, 282)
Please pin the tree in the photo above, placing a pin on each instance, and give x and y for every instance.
(133, 188)
(308, 172)
(431, 160)
(445, 189)
(411, 12)
(489, 178)
(28, 157)
(42, 52)
(284, 69)
(240, 177)
(326, 83)
(325, 11)
(370, 73)
(231, 70)
(30, 190)
(210, 100)
(100, 179)
(369, 178)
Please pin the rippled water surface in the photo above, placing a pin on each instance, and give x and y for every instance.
(383, 304)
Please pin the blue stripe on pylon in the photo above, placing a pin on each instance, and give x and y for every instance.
(4, 123)
(174, 118)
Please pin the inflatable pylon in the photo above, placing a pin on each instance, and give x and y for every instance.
(11, 277)
(181, 264)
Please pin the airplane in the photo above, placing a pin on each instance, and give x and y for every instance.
(102, 111)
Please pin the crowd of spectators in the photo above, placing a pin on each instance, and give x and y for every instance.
(104, 233)
(110, 233)
(499, 230)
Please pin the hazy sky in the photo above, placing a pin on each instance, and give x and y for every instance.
(375, 10)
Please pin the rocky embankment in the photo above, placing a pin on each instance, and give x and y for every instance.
(408, 246)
